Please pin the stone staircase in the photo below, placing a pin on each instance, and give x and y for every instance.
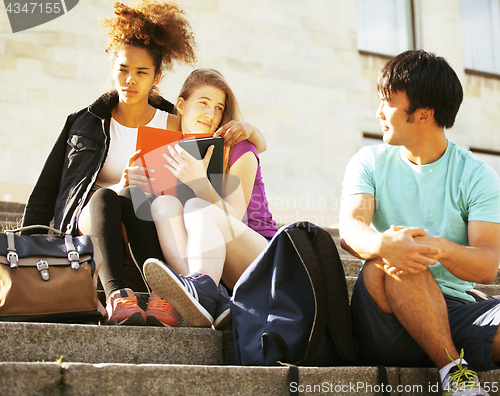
(62, 359)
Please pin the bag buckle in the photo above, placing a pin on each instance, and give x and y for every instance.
(12, 258)
(43, 267)
(74, 257)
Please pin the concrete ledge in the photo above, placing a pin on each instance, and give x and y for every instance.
(344, 380)
(218, 380)
(24, 379)
(425, 381)
(119, 379)
(351, 266)
(492, 290)
(174, 380)
(12, 207)
(29, 342)
(73, 379)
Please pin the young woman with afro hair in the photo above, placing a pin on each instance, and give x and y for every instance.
(85, 184)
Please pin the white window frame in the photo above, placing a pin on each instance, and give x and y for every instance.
(481, 35)
(385, 27)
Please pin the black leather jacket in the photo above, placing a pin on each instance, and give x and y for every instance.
(72, 166)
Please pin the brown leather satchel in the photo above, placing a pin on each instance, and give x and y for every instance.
(48, 278)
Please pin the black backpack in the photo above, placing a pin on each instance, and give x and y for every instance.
(291, 304)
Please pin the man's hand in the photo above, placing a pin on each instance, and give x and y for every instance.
(407, 250)
(397, 251)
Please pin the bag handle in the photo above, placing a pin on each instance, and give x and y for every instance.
(13, 259)
(34, 227)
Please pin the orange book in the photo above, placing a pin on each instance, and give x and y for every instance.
(153, 144)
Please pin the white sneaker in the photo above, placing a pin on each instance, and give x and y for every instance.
(462, 381)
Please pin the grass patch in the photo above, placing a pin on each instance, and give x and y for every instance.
(12, 225)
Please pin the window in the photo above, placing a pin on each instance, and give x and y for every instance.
(492, 158)
(385, 26)
(481, 35)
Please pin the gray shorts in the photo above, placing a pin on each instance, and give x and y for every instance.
(385, 341)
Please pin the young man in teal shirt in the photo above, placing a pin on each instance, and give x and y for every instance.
(425, 215)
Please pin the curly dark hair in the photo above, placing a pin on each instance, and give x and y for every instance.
(158, 26)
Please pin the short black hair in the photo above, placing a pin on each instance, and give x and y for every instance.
(429, 82)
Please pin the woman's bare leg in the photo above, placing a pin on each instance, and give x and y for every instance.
(219, 245)
(167, 212)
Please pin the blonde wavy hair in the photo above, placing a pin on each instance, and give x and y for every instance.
(213, 78)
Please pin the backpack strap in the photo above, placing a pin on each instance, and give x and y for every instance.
(293, 370)
(383, 380)
(339, 312)
(293, 378)
(307, 254)
(279, 342)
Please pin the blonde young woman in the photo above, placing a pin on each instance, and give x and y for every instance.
(211, 238)
(85, 185)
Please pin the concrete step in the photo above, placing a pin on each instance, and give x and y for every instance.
(10, 216)
(31, 342)
(492, 290)
(12, 207)
(71, 379)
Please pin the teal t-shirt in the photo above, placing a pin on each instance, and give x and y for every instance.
(440, 197)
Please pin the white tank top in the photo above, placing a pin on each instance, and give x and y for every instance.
(122, 146)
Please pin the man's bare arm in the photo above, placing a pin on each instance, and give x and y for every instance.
(396, 246)
(477, 262)
(357, 237)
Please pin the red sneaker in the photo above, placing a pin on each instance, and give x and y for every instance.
(123, 310)
(160, 313)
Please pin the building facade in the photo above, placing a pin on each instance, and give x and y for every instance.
(304, 73)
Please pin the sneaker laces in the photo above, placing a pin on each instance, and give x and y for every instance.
(158, 305)
(125, 302)
(462, 377)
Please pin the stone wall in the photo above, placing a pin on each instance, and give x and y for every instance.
(293, 65)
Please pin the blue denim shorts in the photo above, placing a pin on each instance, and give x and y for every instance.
(385, 341)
